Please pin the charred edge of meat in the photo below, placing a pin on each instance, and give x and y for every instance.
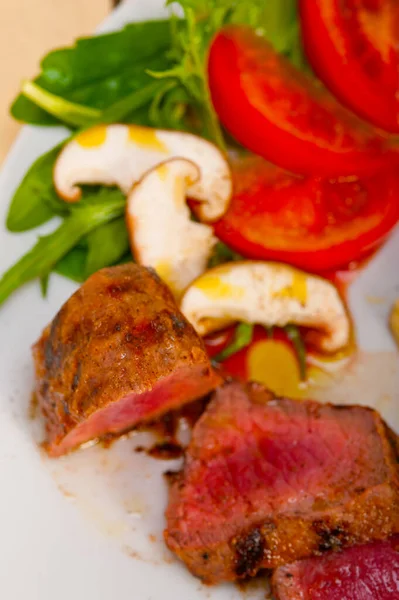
(249, 552)
(331, 538)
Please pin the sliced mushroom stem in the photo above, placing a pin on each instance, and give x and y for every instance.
(121, 155)
(162, 234)
(269, 294)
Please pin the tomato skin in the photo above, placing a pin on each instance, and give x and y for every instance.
(362, 72)
(281, 114)
(315, 224)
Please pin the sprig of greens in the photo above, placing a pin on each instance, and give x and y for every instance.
(243, 336)
(294, 335)
(276, 20)
(106, 245)
(84, 218)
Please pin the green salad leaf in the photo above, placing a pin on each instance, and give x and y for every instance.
(106, 245)
(98, 71)
(44, 281)
(35, 200)
(89, 214)
(73, 264)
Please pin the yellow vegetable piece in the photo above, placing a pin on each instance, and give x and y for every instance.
(273, 364)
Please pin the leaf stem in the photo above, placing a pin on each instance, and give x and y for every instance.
(242, 338)
(75, 115)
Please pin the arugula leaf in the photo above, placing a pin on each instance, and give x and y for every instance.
(130, 104)
(242, 338)
(100, 70)
(294, 335)
(44, 281)
(106, 246)
(35, 200)
(190, 45)
(84, 217)
(73, 264)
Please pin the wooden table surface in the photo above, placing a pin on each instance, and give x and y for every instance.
(29, 29)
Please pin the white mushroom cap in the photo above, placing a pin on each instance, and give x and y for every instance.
(270, 294)
(121, 154)
(162, 234)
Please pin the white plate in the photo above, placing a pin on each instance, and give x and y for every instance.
(89, 526)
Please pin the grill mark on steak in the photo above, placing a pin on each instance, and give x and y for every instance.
(249, 553)
(331, 538)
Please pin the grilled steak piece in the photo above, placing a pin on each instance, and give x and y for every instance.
(268, 481)
(118, 353)
(369, 572)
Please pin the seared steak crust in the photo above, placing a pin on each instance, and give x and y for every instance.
(119, 352)
(268, 481)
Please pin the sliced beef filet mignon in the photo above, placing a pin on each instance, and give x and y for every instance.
(369, 572)
(119, 352)
(268, 481)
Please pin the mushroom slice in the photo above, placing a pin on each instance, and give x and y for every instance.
(121, 154)
(162, 234)
(269, 294)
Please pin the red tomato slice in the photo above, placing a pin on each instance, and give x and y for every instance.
(312, 223)
(353, 47)
(283, 115)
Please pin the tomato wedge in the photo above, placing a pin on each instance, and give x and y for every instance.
(353, 47)
(312, 223)
(284, 115)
